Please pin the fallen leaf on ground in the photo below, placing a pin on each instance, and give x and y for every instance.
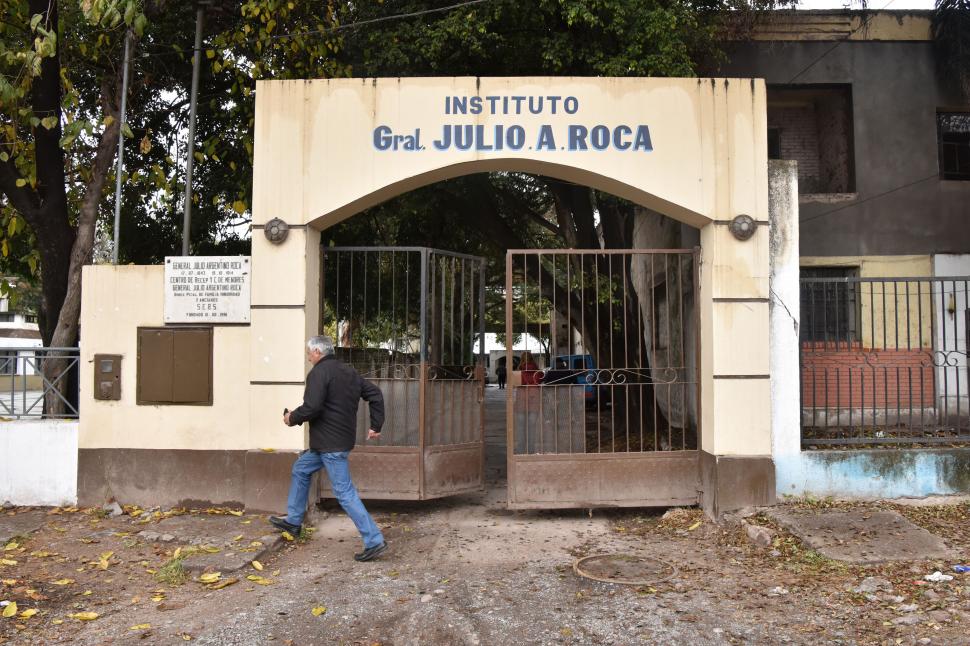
(10, 610)
(10, 546)
(64, 582)
(694, 526)
(235, 513)
(319, 610)
(27, 614)
(9, 581)
(186, 637)
(210, 549)
(287, 536)
(237, 538)
(259, 580)
(269, 450)
(57, 622)
(256, 544)
(225, 583)
(42, 554)
(141, 627)
(7, 562)
(84, 616)
(211, 577)
(86, 593)
(258, 565)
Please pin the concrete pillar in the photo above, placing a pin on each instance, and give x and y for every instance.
(784, 314)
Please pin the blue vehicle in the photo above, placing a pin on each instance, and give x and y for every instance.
(578, 369)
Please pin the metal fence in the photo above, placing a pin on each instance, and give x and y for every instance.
(611, 339)
(884, 361)
(409, 319)
(38, 383)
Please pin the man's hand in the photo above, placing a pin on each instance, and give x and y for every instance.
(286, 418)
(373, 435)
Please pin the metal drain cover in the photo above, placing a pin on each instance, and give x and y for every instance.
(624, 568)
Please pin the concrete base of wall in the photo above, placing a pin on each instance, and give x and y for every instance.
(38, 462)
(881, 473)
(729, 483)
(254, 480)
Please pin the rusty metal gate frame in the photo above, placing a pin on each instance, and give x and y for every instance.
(613, 479)
(430, 465)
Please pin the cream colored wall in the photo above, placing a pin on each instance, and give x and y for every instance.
(877, 312)
(119, 299)
(315, 164)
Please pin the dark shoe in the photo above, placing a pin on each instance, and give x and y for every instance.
(281, 523)
(371, 552)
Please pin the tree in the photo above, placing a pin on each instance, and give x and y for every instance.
(951, 35)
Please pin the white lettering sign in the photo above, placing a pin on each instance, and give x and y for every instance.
(207, 289)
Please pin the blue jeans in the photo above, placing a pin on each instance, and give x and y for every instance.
(338, 470)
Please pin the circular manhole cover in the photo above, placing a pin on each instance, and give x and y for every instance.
(624, 568)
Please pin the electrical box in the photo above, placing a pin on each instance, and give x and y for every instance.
(174, 366)
(107, 377)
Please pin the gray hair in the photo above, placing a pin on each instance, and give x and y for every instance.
(322, 344)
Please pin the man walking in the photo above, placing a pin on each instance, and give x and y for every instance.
(333, 391)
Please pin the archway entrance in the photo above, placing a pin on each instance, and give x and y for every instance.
(693, 150)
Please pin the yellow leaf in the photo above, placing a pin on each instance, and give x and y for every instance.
(210, 549)
(7, 562)
(146, 145)
(158, 597)
(225, 583)
(57, 622)
(694, 526)
(64, 582)
(86, 593)
(41, 554)
(235, 512)
(269, 450)
(10, 546)
(256, 544)
(246, 522)
(21, 182)
(141, 627)
(84, 616)
(27, 614)
(212, 577)
(287, 536)
(259, 580)
(178, 550)
(9, 581)
(186, 637)
(319, 610)
(108, 120)
(10, 610)
(237, 538)
(258, 565)
(238, 206)
(566, 632)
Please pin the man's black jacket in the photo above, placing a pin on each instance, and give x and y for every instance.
(333, 391)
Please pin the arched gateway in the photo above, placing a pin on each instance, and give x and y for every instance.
(692, 149)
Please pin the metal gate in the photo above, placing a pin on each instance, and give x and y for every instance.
(409, 320)
(603, 391)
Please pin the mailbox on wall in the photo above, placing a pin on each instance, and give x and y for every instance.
(107, 377)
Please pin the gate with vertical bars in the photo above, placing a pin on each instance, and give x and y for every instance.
(409, 319)
(603, 392)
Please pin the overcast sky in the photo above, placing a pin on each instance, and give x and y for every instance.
(873, 4)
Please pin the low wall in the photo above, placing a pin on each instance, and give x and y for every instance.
(877, 473)
(38, 462)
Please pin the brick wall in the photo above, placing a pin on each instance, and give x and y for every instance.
(798, 140)
(901, 378)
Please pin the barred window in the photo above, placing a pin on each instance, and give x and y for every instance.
(829, 309)
(953, 137)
